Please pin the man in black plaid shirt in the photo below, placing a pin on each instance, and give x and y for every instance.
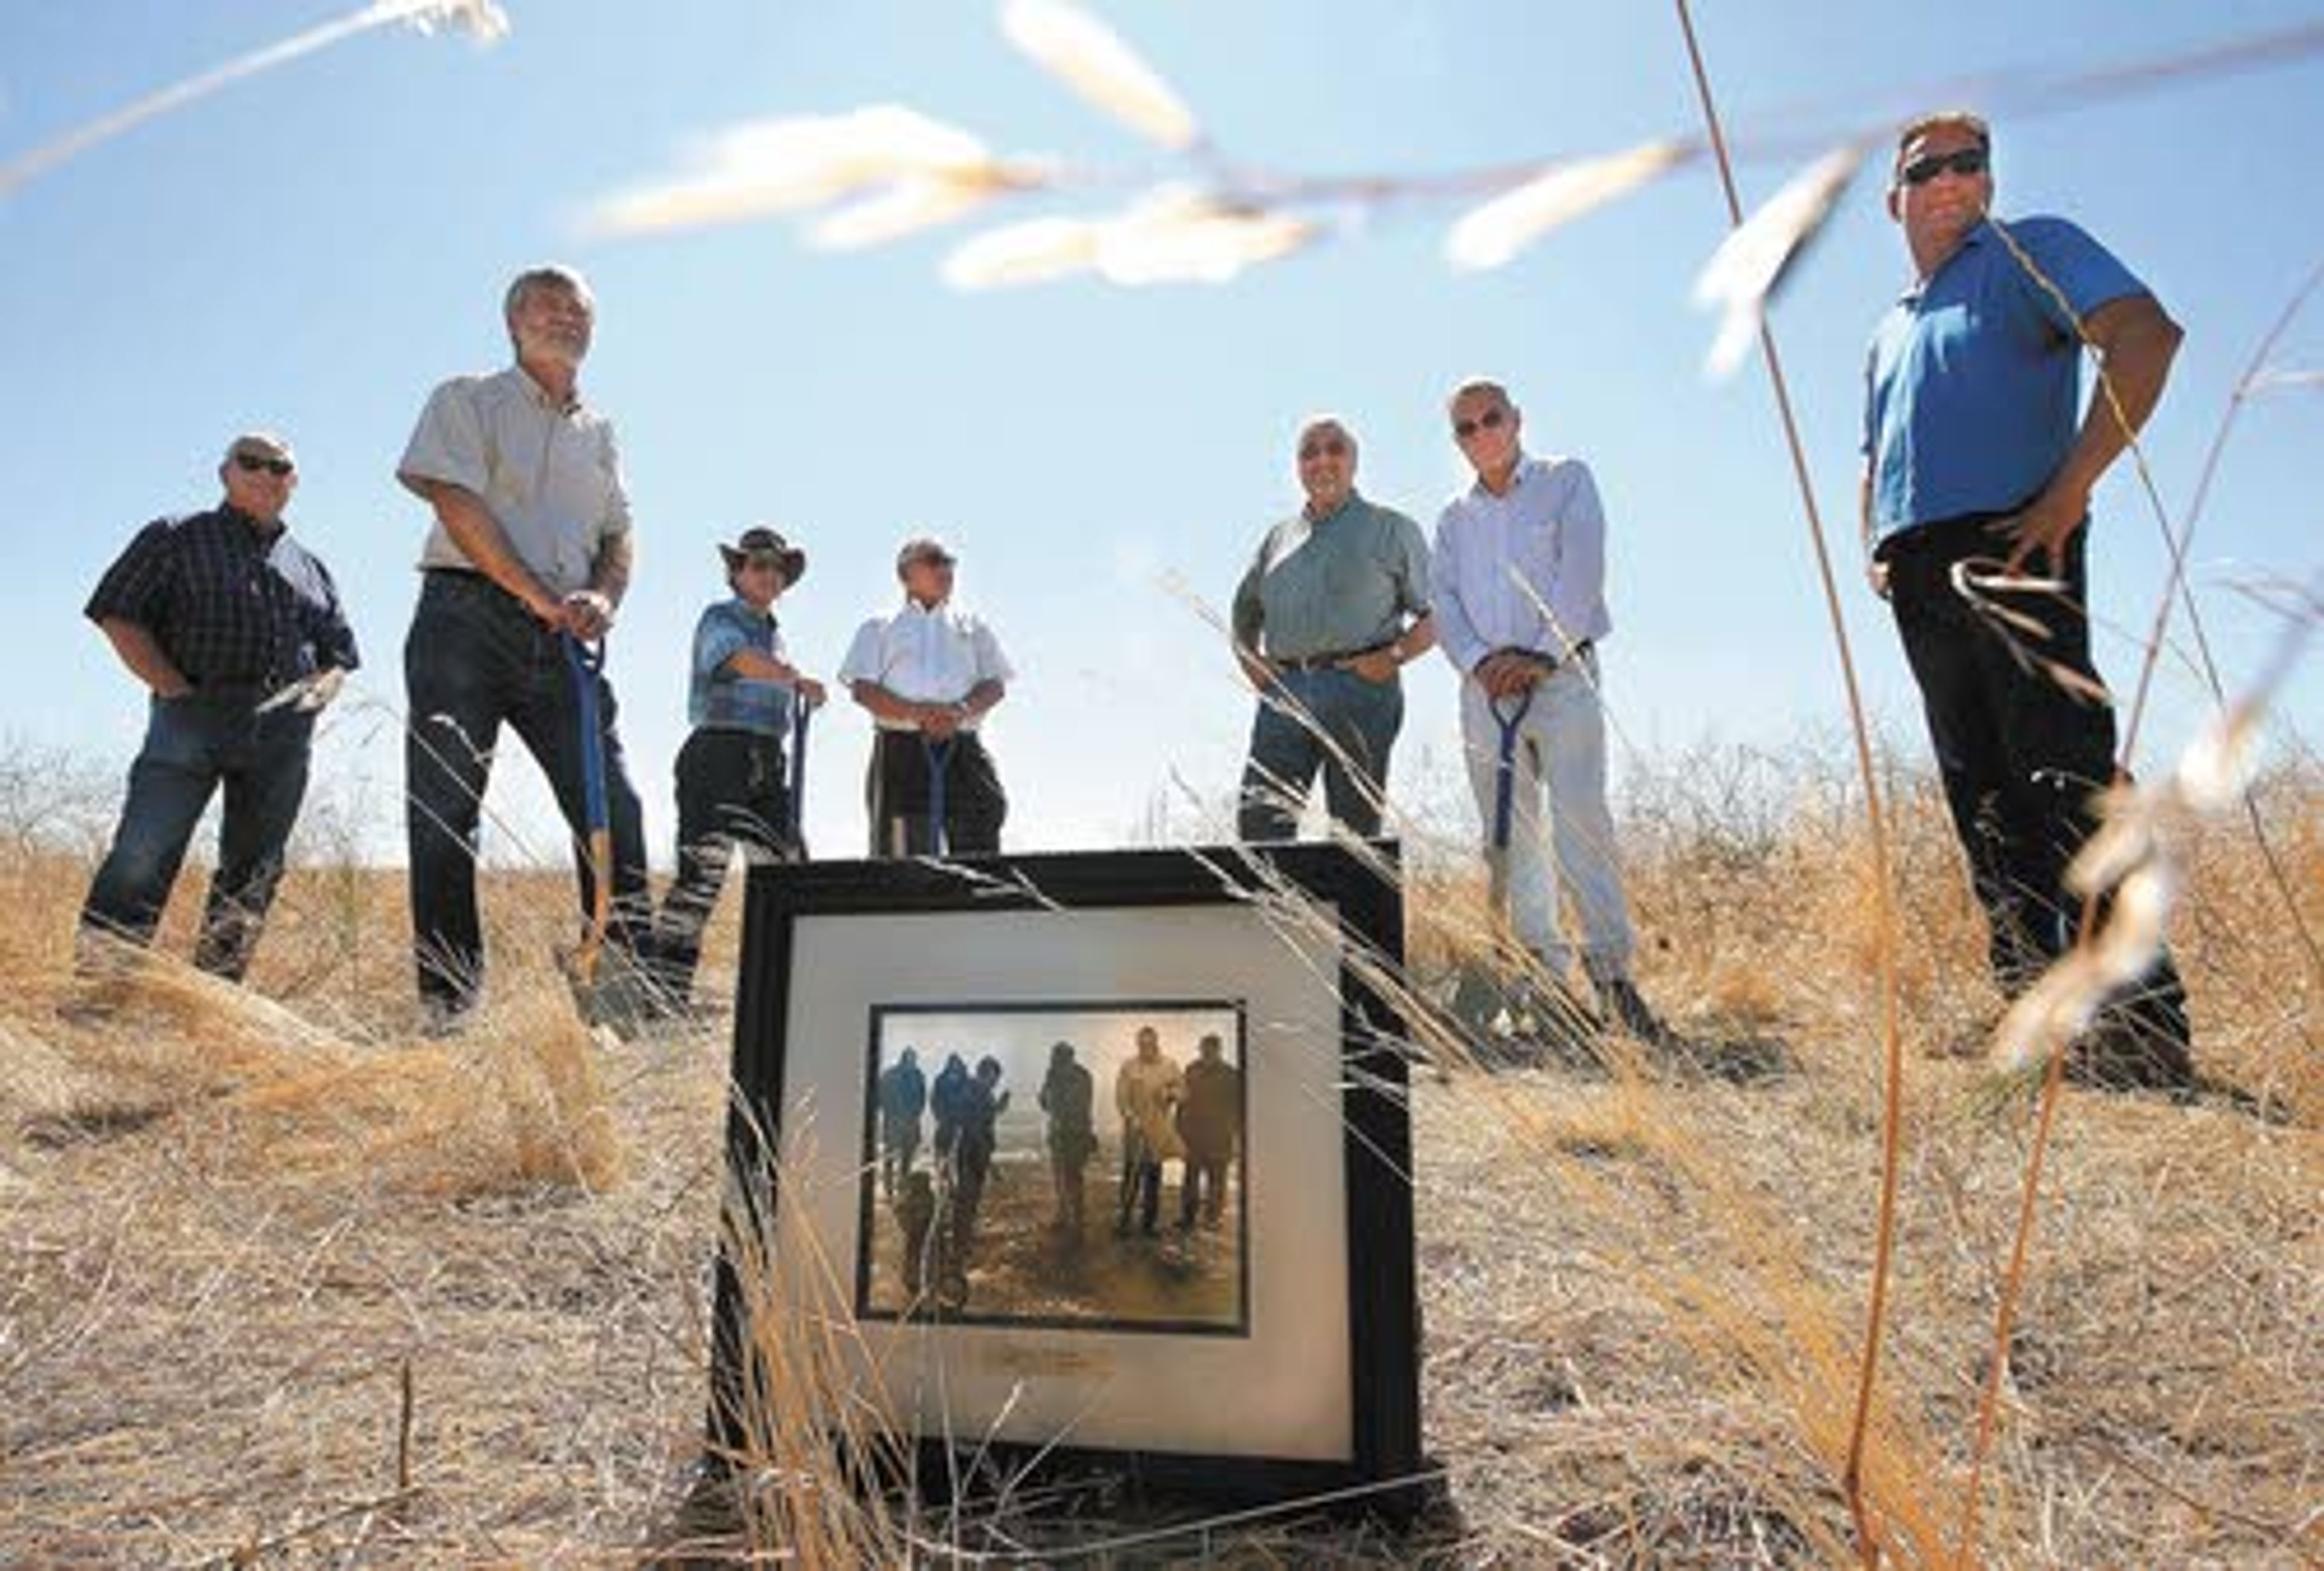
(237, 629)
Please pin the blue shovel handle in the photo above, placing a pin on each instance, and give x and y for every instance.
(587, 662)
(940, 755)
(800, 714)
(1505, 768)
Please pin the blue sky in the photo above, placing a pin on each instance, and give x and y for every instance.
(312, 250)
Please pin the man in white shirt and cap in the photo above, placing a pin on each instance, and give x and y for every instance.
(929, 671)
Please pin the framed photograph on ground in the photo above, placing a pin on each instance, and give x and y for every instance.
(1017, 1157)
(1103, 1160)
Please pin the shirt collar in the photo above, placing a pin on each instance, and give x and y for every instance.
(1977, 236)
(1354, 498)
(265, 534)
(743, 609)
(542, 396)
(1518, 473)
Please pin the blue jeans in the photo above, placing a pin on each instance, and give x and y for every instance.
(193, 746)
(1332, 721)
(476, 658)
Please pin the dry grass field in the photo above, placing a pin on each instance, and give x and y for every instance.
(284, 1285)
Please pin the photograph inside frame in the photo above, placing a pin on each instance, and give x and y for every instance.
(1072, 1165)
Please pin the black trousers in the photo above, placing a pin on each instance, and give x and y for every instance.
(475, 661)
(732, 795)
(2021, 755)
(900, 791)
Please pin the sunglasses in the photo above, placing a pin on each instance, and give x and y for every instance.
(1490, 421)
(1967, 162)
(1329, 448)
(251, 464)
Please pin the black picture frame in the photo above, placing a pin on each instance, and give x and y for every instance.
(1362, 1447)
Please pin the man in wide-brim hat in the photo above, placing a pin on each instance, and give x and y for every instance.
(733, 790)
(767, 546)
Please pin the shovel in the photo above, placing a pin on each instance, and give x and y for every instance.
(620, 996)
(1480, 1000)
(939, 756)
(1541, 1012)
(795, 797)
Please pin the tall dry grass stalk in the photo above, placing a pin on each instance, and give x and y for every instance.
(143, 1035)
(808, 1451)
(887, 172)
(1818, 191)
(480, 19)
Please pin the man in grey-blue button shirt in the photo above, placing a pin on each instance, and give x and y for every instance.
(1335, 602)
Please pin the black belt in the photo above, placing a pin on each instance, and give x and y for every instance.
(1949, 535)
(237, 689)
(1547, 662)
(1326, 662)
(469, 578)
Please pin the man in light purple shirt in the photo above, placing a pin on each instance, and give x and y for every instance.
(1520, 576)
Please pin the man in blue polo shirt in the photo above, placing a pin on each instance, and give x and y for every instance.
(1979, 456)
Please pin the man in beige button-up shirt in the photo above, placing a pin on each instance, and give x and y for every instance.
(529, 545)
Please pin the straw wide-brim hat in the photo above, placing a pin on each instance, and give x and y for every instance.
(765, 542)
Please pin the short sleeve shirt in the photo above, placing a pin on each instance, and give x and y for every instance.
(717, 700)
(926, 656)
(550, 475)
(1973, 381)
(229, 604)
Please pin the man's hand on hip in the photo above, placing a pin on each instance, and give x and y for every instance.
(2038, 536)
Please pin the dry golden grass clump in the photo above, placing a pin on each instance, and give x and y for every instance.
(287, 1284)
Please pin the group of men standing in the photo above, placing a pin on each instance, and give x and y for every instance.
(937, 1209)
(1345, 593)
(1979, 463)
(1191, 1114)
(238, 632)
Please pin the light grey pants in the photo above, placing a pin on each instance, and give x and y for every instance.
(1560, 830)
